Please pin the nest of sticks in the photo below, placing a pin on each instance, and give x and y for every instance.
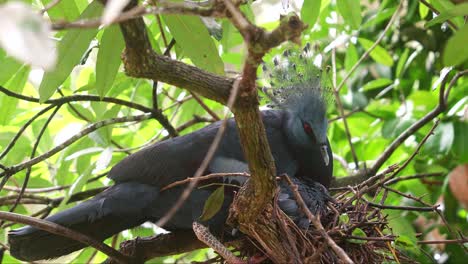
(350, 231)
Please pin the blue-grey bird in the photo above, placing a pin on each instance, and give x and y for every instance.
(296, 132)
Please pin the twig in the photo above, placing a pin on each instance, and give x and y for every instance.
(203, 178)
(78, 98)
(416, 151)
(50, 5)
(12, 143)
(164, 7)
(415, 127)
(341, 111)
(90, 128)
(448, 241)
(65, 232)
(405, 208)
(33, 153)
(204, 106)
(416, 176)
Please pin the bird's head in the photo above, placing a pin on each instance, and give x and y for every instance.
(297, 87)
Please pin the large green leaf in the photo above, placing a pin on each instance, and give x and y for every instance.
(213, 204)
(193, 37)
(108, 59)
(460, 142)
(310, 11)
(456, 52)
(8, 104)
(379, 54)
(8, 67)
(441, 141)
(458, 10)
(70, 50)
(376, 84)
(403, 228)
(351, 57)
(351, 12)
(62, 10)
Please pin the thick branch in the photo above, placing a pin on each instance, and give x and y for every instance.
(142, 62)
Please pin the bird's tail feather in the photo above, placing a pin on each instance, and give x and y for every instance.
(118, 208)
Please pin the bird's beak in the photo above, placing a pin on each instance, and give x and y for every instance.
(324, 151)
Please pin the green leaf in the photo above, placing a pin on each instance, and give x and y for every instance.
(351, 57)
(9, 67)
(358, 232)
(379, 54)
(108, 59)
(394, 127)
(70, 50)
(458, 10)
(423, 10)
(62, 10)
(351, 12)
(441, 141)
(402, 227)
(376, 84)
(461, 140)
(193, 37)
(213, 204)
(405, 242)
(310, 12)
(455, 51)
(401, 63)
(344, 218)
(80, 112)
(379, 17)
(7, 103)
(445, 5)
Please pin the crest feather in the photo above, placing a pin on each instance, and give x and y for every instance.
(296, 83)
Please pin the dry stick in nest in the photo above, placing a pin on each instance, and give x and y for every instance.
(317, 224)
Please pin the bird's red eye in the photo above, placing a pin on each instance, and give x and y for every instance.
(307, 128)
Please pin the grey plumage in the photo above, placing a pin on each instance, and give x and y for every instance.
(296, 133)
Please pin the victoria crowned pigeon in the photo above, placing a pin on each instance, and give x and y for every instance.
(296, 132)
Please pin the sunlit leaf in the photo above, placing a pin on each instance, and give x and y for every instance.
(70, 50)
(423, 10)
(310, 11)
(192, 35)
(351, 12)
(377, 84)
(62, 10)
(379, 54)
(456, 52)
(458, 10)
(108, 59)
(7, 103)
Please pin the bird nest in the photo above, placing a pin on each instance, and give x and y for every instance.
(350, 231)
